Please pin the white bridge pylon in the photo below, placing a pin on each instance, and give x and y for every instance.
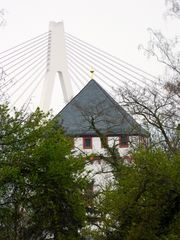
(57, 64)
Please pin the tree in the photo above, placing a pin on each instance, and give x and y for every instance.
(145, 201)
(158, 111)
(3, 96)
(2, 17)
(41, 183)
(158, 105)
(173, 8)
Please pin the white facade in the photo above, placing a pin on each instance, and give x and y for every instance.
(100, 171)
(97, 146)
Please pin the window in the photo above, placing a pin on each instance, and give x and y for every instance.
(106, 142)
(123, 141)
(87, 142)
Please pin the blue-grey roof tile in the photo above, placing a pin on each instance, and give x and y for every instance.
(93, 102)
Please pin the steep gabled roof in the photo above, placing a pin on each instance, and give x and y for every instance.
(94, 103)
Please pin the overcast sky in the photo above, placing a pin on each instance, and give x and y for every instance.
(116, 26)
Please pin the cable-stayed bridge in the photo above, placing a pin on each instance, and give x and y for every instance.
(30, 69)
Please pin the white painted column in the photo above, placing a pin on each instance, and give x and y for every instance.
(57, 64)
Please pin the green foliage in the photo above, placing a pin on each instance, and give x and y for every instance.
(145, 201)
(41, 183)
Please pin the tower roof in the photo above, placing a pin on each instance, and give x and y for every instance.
(93, 105)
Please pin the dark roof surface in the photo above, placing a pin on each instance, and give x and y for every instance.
(93, 102)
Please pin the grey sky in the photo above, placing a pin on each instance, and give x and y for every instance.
(116, 26)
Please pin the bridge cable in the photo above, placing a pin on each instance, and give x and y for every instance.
(117, 67)
(31, 41)
(75, 81)
(84, 69)
(26, 89)
(10, 80)
(27, 57)
(104, 65)
(104, 69)
(81, 63)
(77, 69)
(26, 79)
(24, 51)
(105, 54)
(34, 89)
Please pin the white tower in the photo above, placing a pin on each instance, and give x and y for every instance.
(57, 64)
